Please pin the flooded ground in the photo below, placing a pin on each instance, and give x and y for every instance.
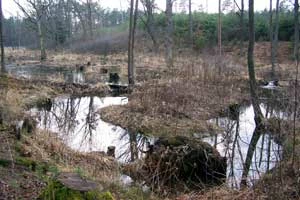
(234, 143)
(69, 75)
(47, 73)
(78, 123)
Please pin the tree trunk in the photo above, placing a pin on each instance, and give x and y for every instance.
(149, 4)
(169, 34)
(133, 16)
(42, 43)
(1, 40)
(250, 152)
(90, 21)
(242, 24)
(220, 31)
(82, 22)
(274, 37)
(132, 41)
(68, 18)
(190, 23)
(136, 12)
(296, 39)
(151, 31)
(251, 71)
(133, 147)
(296, 55)
(254, 99)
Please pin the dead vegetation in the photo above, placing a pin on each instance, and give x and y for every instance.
(180, 102)
(165, 102)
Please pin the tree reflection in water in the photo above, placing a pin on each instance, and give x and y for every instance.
(77, 122)
(249, 153)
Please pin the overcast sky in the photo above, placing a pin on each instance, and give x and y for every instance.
(9, 7)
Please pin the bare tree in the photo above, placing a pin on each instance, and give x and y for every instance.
(251, 71)
(190, 23)
(132, 26)
(271, 31)
(242, 24)
(296, 39)
(220, 30)
(78, 12)
(149, 6)
(1, 40)
(169, 33)
(68, 17)
(35, 11)
(296, 54)
(89, 17)
(254, 99)
(274, 36)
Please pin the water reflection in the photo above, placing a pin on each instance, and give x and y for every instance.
(77, 122)
(234, 143)
(47, 73)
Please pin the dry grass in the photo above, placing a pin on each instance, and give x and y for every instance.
(180, 100)
(46, 147)
(177, 101)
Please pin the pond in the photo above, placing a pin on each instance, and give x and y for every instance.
(68, 75)
(46, 73)
(234, 143)
(78, 123)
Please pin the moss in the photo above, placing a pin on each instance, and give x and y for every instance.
(44, 167)
(134, 193)
(129, 193)
(92, 195)
(4, 162)
(288, 146)
(4, 80)
(54, 170)
(80, 172)
(18, 146)
(57, 191)
(26, 162)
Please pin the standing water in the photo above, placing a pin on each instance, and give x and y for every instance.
(234, 143)
(78, 123)
(46, 73)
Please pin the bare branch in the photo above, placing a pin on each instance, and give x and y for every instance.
(26, 13)
(237, 5)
